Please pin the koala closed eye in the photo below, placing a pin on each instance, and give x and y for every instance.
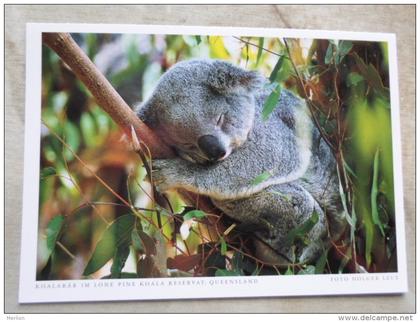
(220, 120)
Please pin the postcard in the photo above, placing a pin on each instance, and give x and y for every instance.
(174, 162)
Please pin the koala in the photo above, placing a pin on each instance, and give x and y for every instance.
(209, 112)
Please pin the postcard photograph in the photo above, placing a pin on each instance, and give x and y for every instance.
(182, 162)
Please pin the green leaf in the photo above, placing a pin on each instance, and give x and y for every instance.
(53, 231)
(260, 178)
(217, 48)
(48, 171)
(308, 270)
(320, 263)
(353, 220)
(198, 39)
(271, 102)
(276, 69)
(122, 275)
(223, 246)
(372, 76)
(353, 79)
(132, 53)
(344, 47)
(329, 54)
(343, 202)
(117, 234)
(374, 194)
(59, 101)
(289, 271)
(88, 128)
(300, 231)
(237, 261)
(44, 274)
(260, 50)
(225, 272)
(348, 169)
(72, 137)
(368, 243)
(92, 45)
(198, 214)
(136, 242)
(283, 195)
(119, 259)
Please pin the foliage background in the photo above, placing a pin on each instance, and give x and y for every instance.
(346, 84)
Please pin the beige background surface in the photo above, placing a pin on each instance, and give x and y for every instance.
(399, 19)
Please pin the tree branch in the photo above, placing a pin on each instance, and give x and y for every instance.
(112, 103)
(106, 96)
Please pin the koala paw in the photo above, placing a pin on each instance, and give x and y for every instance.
(169, 174)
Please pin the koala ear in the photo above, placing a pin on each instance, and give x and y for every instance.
(227, 78)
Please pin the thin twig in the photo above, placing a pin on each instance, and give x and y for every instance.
(125, 202)
(319, 127)
(106, 96)
(257, 46)
(64, 248)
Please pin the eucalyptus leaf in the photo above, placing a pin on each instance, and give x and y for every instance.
(53, 231)
(72, 138)
(117, 234)
(283, 195)
(225, 272)
(119, 259)
(348, 169)
(308, 270)
(374, 194)
(320, 263)
(271, 102)
(353, 79)
(137, 242)
(372, 76)
(276, 69)
(198, 39)
(368, 243)
(289, 271)
(344, 47)
(48, 171)
(122, 275)
(261, 178)
(260, 50)
(329, 54)
(198, 214)
(300, 231)
(88, 129)
(223, 246)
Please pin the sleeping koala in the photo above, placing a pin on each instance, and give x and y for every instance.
(209, 111)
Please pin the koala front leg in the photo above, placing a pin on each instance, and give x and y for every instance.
(174, 173)
(275, 212)
(209, 180)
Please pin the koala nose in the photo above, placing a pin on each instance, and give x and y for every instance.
(211, 147)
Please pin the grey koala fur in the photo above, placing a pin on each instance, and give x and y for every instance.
(209, 111)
